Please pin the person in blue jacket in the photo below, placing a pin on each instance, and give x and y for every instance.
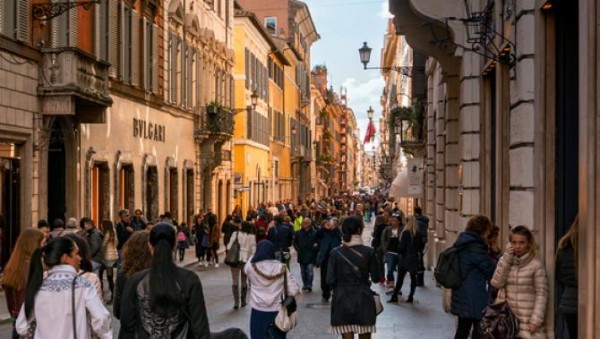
(477, 267)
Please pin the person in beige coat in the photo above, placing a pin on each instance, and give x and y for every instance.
(521, 278)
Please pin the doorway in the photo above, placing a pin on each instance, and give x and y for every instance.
(10, 183)
(127, 187)
(100, 193)
(173, 190)
(151, 198)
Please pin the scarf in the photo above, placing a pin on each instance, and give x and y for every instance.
(355, 240)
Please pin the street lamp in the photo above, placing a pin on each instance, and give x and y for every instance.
(365, 56)
(370, 113)
(254, 99)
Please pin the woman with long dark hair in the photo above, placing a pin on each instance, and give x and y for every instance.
(14, 280)
(61, 302)
(86, 268)
(352, 269)
(247, 241)
(165, 301)
(411, 244)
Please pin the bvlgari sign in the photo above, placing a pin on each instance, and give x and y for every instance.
(148, 130)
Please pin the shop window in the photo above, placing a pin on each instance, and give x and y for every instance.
(100, 193)
(127, 188)
(151, 198)
(173, 202)
(189, 195)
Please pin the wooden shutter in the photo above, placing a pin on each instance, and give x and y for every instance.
(155, 66)
(98, 32)
(145, 57)
(22, 21)
(135, 48)
(122, 46)
(113, 37)
(73, 26)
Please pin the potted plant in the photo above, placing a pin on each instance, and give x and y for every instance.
(213, 107)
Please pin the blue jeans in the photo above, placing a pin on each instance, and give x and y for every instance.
(307, 272)
(391, 260)
(261, 325)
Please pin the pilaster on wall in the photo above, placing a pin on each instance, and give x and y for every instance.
(522, 131)
(452, 159)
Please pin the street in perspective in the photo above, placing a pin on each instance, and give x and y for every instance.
(299, 168)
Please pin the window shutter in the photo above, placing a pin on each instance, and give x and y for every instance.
(98, 32)
(154, 66)
(135, 49)
(198, 77)
(122, 45)
(113, 37)
(73, 26)
(23, 21)
(145, 57)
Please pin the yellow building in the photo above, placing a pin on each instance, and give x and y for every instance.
(258, 86)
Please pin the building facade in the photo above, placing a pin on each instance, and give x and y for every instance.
(511, 125)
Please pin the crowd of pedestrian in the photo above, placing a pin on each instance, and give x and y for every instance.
(61, 268)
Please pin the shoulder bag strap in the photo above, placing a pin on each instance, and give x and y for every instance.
(285, 288)
(73, 306)
(354, 267)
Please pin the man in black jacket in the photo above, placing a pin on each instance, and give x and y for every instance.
(124, 231)
(94, 239)
(305, 243)
(422, 230)
(281, 235)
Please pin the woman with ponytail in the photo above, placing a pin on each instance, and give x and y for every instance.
(14, 280)
(164, 301)
(58, 305)
(352, 269)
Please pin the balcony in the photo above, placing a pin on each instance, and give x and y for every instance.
(215, 122)
(74, 83)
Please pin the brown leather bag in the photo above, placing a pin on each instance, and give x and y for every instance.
(499, 321)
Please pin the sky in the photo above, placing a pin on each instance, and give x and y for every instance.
(343, 26)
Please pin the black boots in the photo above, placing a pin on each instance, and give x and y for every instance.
(244, 292)
(236, 296)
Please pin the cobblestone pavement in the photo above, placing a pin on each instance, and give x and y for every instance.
(425, 319)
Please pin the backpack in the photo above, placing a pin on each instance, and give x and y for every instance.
(447, 271)
(181, 236)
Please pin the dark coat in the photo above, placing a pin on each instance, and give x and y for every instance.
(305, 243)
(422, 226)
(122, 234)
(94, 239)
(477, 267)
(328, 240)
(377, 234)
(194, 309)
(352, 302)
(409, 248)
(281, 235)
(566, 276)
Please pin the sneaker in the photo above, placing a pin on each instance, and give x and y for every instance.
(393, 299)
(216, 265)
(410, 300)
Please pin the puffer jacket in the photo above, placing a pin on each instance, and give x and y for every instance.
(524, 284)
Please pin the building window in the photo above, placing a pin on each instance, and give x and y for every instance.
(271, 25)
(100, 193)
(126, 42)
(150, 58)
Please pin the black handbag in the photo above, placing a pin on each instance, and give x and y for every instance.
(232, 257)
(499, 322)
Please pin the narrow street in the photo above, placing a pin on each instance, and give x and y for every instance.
(424, 319)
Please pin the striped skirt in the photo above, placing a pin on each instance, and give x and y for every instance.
(356, 329)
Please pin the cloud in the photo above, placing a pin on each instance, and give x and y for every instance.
(385, 10)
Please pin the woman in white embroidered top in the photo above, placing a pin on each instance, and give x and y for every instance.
(521, 278)
(266, 276)
(49, 302)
